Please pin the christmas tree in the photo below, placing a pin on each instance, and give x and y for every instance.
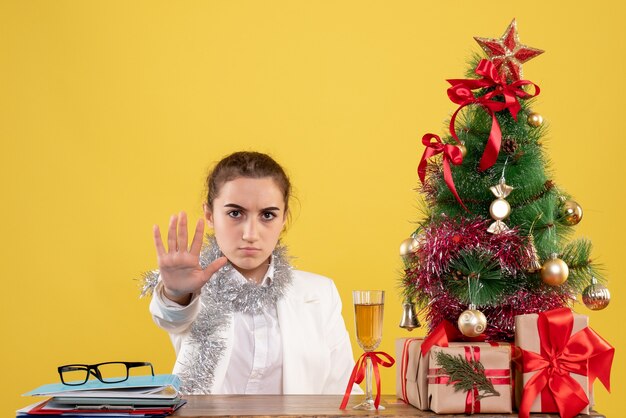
(496, 238)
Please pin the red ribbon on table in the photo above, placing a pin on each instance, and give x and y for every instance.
(584, 353)
(451, 154)
(461, 93)
(358, 373)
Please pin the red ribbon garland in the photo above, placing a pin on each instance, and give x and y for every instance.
(461, 94)
(451, 153)
(358, 373)
(584, 353)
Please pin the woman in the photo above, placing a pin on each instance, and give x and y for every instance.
(240, 318)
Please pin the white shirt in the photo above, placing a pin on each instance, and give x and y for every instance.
(256, 362)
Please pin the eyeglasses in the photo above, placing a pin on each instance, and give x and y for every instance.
(109, 372)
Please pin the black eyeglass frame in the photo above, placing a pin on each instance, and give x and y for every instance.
(92, 369)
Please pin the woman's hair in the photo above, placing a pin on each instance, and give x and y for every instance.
(246, 164)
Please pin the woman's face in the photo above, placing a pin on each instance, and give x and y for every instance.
(248, 216)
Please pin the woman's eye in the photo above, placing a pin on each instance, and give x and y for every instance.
(234, 214)
(269, 215)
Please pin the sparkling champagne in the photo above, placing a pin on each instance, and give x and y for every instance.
(369, 325)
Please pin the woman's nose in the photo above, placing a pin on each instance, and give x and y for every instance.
(251, 230)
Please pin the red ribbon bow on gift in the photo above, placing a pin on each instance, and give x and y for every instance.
(451, 154)
(358, 373)
(461, 94)
(584, 353)
(444, 333)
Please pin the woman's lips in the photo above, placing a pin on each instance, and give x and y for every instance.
(249, 250)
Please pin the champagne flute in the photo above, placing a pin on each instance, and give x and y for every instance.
(368, 319)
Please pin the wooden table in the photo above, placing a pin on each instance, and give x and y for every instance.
(306, 406)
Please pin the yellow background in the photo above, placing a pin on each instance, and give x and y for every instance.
(112, 111)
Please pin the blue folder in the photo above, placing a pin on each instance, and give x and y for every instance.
(169, 383)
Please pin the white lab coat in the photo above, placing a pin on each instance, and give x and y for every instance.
(317, 355)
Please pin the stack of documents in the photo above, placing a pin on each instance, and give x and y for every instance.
(140, 396)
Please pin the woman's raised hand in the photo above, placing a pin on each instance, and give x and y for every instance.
(181, 273)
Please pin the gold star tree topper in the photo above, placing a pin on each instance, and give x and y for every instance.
(507, 53)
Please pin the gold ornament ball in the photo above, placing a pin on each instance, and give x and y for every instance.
(472, 323)
(596, 296)
(463, 149)
(534, 119)
(408, 246)
(571, 213)
(499, 209)
(554, 272)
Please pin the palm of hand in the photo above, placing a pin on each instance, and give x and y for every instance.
(181, 273)
(179, 265)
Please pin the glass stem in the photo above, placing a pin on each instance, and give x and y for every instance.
(368, 380)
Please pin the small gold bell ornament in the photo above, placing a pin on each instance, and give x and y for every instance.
(409, 319)
(534, 264)
(596, 296)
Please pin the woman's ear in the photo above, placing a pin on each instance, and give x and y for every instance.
(208, 215)
(285, 224)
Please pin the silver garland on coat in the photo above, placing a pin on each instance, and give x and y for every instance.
(219, 298)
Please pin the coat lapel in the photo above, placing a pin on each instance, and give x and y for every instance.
(304, 370)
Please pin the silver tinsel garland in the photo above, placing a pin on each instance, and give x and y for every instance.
(220, 298)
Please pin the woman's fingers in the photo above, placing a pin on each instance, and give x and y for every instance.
(158, 242)
(182, 232)
(196, 243)
(171, 235)
(213, 267)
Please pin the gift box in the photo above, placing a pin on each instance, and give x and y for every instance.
(445, 398)
(411, 372)
(413, 363)
(560, 358)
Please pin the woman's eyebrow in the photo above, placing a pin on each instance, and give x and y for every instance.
(239, 207)
(234, 205)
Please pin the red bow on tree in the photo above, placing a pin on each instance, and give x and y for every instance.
(451, 154)
(584, 353)
(461, 93)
